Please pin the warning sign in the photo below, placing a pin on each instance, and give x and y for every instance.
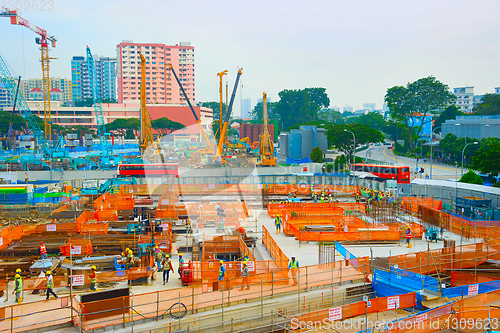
(392, 302)
(473, 289)
(76, 250)
(51, 227)
(335, 313)
(251, 266)
(78, 280)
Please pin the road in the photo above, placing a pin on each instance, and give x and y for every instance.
(439, 171)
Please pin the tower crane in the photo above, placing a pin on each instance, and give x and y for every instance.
(101, 125)
(146, 132)
(222, 137)
(43, 41)
(266, 144)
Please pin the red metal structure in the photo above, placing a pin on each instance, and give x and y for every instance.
(399, 173)
(148, 170)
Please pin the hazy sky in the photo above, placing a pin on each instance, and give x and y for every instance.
(354, 49)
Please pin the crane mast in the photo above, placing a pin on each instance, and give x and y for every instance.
(43, 41)
(266, 144)
(146, 137)
(228, 116)
(220, 75)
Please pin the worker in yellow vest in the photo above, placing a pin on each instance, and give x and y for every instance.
(18, 289)
(293, 266)
(50, 285)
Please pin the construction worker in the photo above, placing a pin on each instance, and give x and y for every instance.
(167, 267)
(181, 262)
(330, 198)
(408, 237)
(357, 198)
(42, 250)
(312, 191)
(294, 267)
(159, 257)
(222, 270)
(322, 200)
(19, 286)
(93, 279)
(130, 259)
(50, 284)
(245, 274)
(277, 222)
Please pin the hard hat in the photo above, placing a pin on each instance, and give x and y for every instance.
(41, 242)
(49, 273)
(126, 250)
(93, 267)
(221, 262)
(293, 256)
(167, 256)
(156, 246)
(18, 270)
(17, 276)
(130, 251)
(245, 262)
(180, 254)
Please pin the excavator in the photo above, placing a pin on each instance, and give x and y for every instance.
(267, 157)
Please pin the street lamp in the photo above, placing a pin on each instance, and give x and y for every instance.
(354, 149)
(463, 150)
(432, 156)
(366, 157)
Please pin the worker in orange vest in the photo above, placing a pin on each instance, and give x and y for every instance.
(408, 237)
(42, 250)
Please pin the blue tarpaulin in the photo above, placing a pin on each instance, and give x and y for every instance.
(295, 161)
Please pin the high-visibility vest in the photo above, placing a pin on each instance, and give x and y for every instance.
(159, 254)
(277, 221)
(222, 270)
(49, 281)
(19, 283)
(42, 249)
(408, 233)
(294, 264)
(244, 271)
(92, 277)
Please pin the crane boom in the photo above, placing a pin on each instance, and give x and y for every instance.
(266, 145)
(146, 137)
(198, 121)
(15, 19)
(10, 84)
(101, 125)
(228, 115)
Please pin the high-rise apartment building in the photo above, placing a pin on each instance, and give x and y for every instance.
(106, 78)
(465, 98)
(246, 108)
(6, 102)
(161, 86)
(62, 84)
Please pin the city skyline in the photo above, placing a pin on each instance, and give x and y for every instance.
(355, 50)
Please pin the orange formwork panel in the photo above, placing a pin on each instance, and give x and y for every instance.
(359, 235)
(77, 246)
(310, 208)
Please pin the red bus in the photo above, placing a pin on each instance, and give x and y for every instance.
(148, 170)
(399, 173)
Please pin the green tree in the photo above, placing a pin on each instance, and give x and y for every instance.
(340, 163)
(215, 106)
(486, 160)
(258, 111)
(344, 141)
(109, 101)
(372, 119)
(451, 112)
(331, 116)
(88, 102)
(300, 106)
(18, 123)
(471, 178)
(411, 104)
(490, 105)
(316, 155)
(165, 125)
(122, 125)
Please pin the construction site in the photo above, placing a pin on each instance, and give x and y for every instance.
(146, 238)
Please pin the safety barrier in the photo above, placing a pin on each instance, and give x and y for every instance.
(472, 314)
(471, 289)
(76, 246)
(379, 304)
(446, 259)
(310, 208)
(273, 248)
(413, 203)
(368, 235)
(10, 234)
(461, 279)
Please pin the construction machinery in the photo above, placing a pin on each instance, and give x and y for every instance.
(220, 75)
(11, 124)
(110, 186)
(149, 147)
(267, 157)
(43, 41)
(209, 149)
(222, 137)
(31, 123)
(107, 161)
